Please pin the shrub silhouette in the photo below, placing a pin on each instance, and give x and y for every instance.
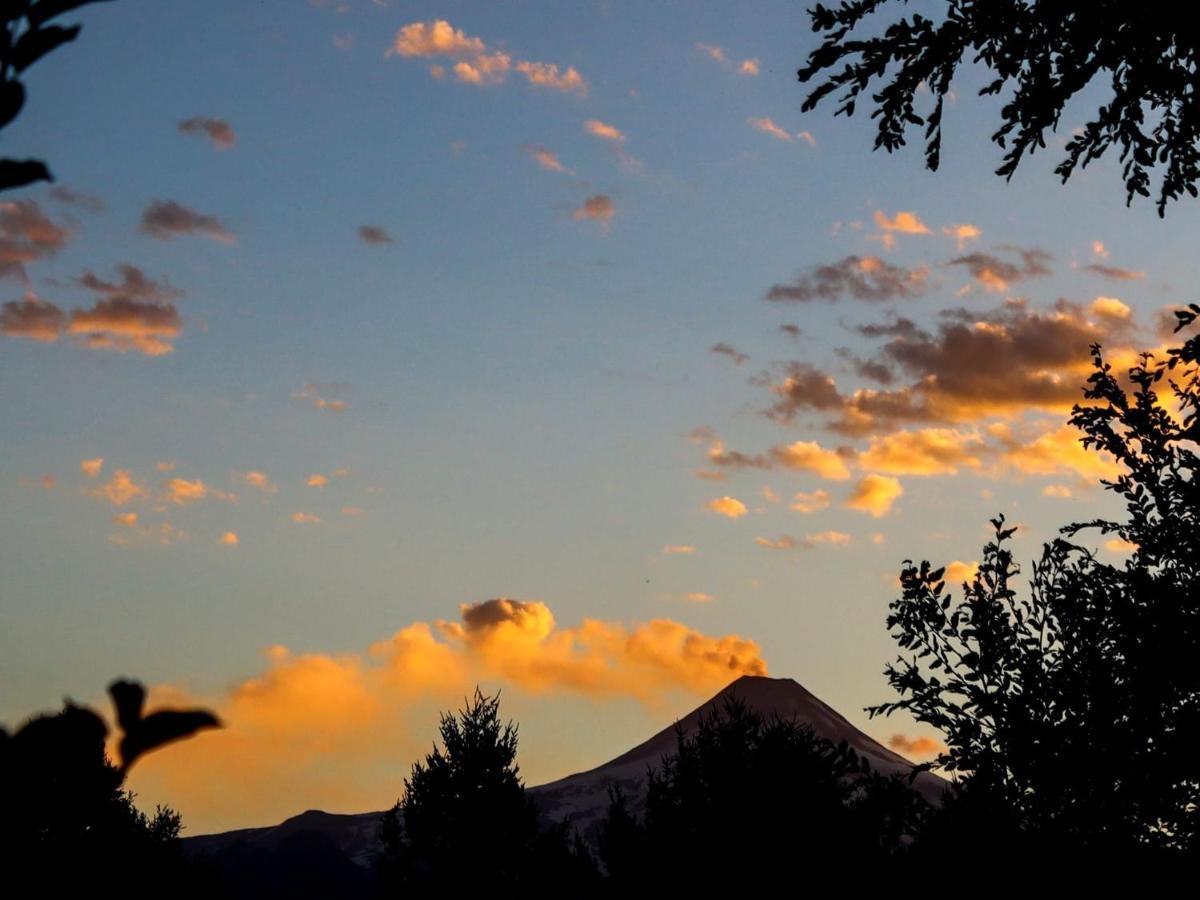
(65, 819)
(1071, 710)
(1049, 52)
(747, 800)
(25, 38)
(466, 824)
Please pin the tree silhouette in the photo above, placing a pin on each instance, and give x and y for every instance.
(746, 801)
(66, 821)
(466, 824)
(27, 36)
(1071, 710)
(1047, 52)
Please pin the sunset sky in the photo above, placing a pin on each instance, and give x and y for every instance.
(367, 351)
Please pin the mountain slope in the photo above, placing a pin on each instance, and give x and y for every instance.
(317, 847)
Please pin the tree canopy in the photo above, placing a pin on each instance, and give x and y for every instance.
(1042, 53)
(1071, 709)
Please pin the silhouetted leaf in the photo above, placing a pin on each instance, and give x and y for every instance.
(16, 173)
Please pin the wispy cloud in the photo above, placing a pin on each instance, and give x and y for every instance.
(218, 131)
(169, 219)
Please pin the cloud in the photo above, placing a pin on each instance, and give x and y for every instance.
(317, 481)
(545, 158)
(875, 494)
(374, 234)
(87, 202)
(860, 277)
(436, 38)
(335, 731)
(901, 223)
(1058, 491)
(315, 394)
(32, 318)
(1052, 452)
(135, 312)
(915, 748)
(218, 131)
(48, 482)
(180, 491)
(120, 489)
(598, 207)
(961, 234)
(996, 274)
(810, 502)
(747, 67)
(959, 571)
(792, 331)
(768, 126)
(475, 63)
(91, 467)
(229, 539)
(548, 75)
(698, 597)
(836, 538)
(675, 549)
(1114, 272)
(928, 451)
(126, 519)
(730, 507)
(798, 456)
(303, 518)
(27, 235)
(1099, 249)
(603, 130)
(978, 364)
(732, 352)
(168, 219)
(785, 542)
(353, 511)
(261, 481)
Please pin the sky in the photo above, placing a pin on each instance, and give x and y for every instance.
(364, 352)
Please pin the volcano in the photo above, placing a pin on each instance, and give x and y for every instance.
(318, 848)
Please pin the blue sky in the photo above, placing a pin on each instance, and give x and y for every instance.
(521, 384)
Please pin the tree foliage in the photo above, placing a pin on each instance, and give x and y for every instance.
(465, 823)
(26, 35)
(1042, 53)
(65, 818)
(1071, 710)
(753, 800)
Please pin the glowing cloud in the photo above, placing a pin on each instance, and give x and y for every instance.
(120, 489)
(875, 494)
(229, 539)
(768, 126)
(545, 158)
(325, 730)
(598, 207)
(915, 748)
(603, 130)
(261, 481)
(902, 222)
(317, 481)
(810, 502)
(180, 491)
(730, 507)
(676, 549)
(303, 518)
(91, 467)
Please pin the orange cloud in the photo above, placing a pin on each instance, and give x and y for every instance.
(317, 481)
(927, 451)
(261, 481)
(32, 318)
(128, 519)
(476, 64)
(959, 571)
(902, 222)
(875, 494)
(677, 549)
(598, 207)
(698, 597)
(229, 539)
(603, 130)
(303, 518)
(915, 748)
(546, 159)
(768, 126)
(730, 507)
(338, 731)
(961, 234)
(27, 235)
(91, 467)
(180, 491)
(810, 502)
(749, 67)
(120, 489)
